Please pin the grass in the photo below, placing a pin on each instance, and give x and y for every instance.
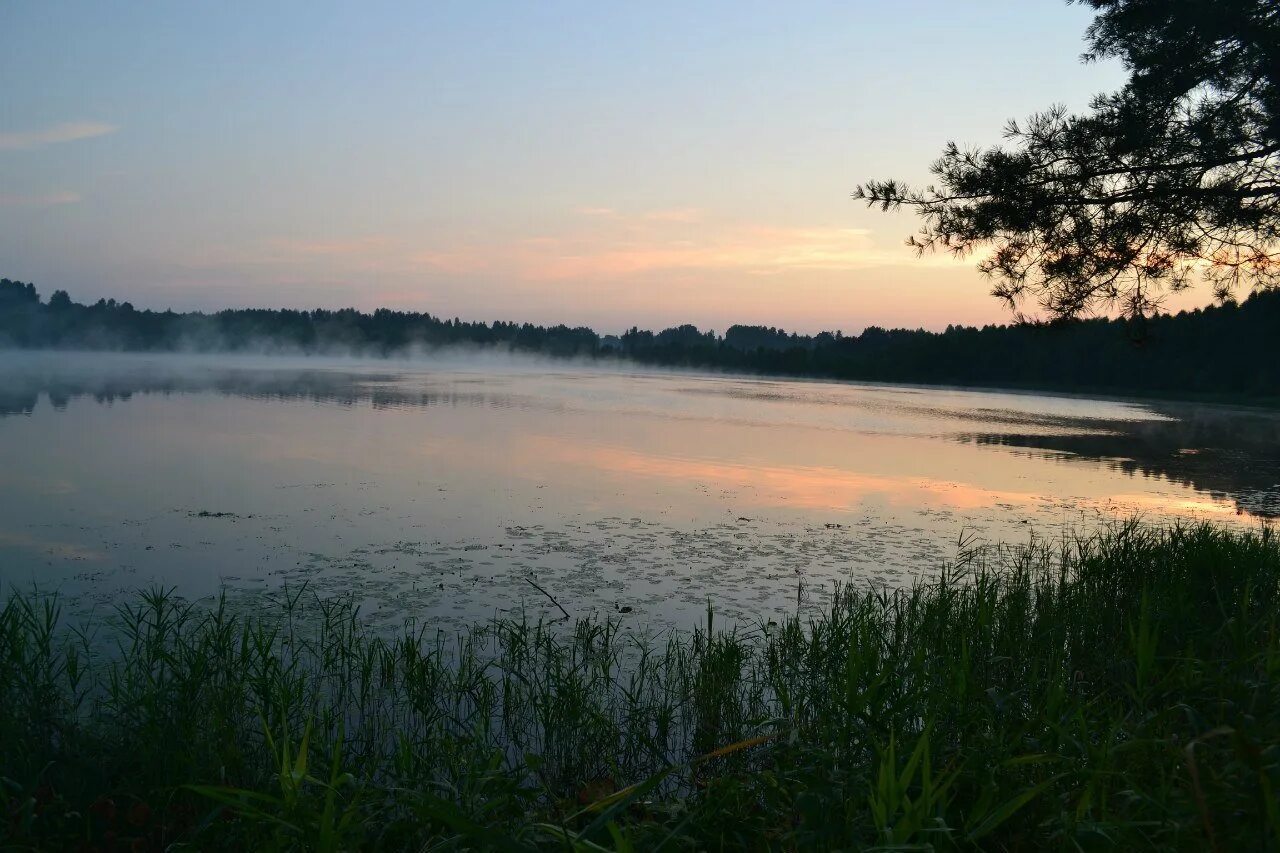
(1116, 692)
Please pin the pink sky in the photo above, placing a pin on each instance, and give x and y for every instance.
(585, 163)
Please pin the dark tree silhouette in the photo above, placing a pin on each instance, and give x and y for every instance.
(1224, 351)
(1173, 179)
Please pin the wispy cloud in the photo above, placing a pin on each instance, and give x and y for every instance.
(749, 249)
(688, 240)
(47, 200)
(607, 245)
(12, 140)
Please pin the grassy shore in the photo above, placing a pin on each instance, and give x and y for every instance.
(1116, 692)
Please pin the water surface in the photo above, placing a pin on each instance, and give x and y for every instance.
(433, 489)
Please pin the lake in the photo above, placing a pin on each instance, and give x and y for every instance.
(435, 489)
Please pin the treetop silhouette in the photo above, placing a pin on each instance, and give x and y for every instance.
(1173, 180)
(1193, 352)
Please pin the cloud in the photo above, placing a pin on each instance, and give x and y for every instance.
(604, 246)
(12, 140)
(611, 245)
(47, 200)
(672, 241)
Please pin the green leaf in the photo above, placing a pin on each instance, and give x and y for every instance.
(1008, 809)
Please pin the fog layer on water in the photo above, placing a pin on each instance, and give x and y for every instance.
(435, 489)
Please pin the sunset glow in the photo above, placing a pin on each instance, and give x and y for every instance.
(493, 163)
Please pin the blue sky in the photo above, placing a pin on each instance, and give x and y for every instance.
(601, 163)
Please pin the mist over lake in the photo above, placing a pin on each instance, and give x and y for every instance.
(435, 489)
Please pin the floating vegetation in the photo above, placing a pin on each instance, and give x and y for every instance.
(1117, 691)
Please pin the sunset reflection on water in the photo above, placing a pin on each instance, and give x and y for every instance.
(434, 488)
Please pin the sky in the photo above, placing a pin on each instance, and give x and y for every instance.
(600, 163)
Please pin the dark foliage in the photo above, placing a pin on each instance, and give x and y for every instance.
(1228, 350)
(111, 325)
(1122, 693)
(1172, 179)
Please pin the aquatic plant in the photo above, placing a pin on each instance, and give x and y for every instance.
(1117, 690)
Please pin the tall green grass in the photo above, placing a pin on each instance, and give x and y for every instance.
(1116, 692)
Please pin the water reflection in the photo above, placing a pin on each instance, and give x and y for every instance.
(435, 488)
(1228, 453)
(22, 386)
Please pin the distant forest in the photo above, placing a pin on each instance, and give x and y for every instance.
(1221, 351)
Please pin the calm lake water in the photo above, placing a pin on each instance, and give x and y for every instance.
(432, 489)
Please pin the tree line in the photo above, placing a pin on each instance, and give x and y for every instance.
(1221, 350)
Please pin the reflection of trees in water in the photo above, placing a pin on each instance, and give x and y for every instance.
(1227, 453)
(20, 392)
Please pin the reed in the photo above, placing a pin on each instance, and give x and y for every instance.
(1115, 691)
